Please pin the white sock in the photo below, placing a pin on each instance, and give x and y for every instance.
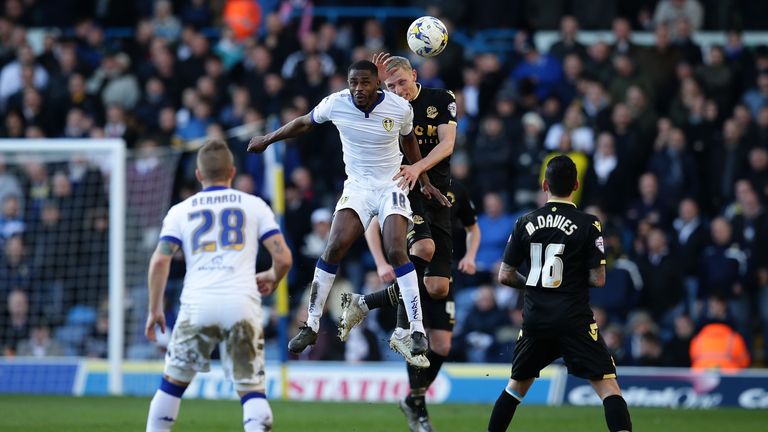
(409, 289)
(163, 411)
(321, 285)
(257, 415)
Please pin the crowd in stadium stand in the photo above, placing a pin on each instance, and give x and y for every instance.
(671, 141)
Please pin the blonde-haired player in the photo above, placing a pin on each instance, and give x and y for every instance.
(219, 230)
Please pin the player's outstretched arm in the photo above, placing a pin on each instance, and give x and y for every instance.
(467, 263)
(292, 129)
(597, 277)
(509, 276)
(159, 267)
(282, 260)
(373, 237)
(409, 174)
(446, 135)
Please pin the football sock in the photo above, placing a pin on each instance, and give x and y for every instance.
(257, 415)
(617, 414)
(435, 363)
(409, 288)
(321, 285)
(164, 408)
(390, 296)
(417, 401)
(503, 411)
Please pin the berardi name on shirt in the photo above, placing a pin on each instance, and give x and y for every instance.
(551, 221)
(217, 199)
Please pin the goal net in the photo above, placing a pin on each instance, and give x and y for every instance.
(79, 220)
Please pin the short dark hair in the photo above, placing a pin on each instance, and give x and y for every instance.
(561, 175)
(215, 161)
(364, 65)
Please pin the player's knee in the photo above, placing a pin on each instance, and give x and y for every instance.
(424, 249)
(440, 346)
(437, 287)
(396, 255)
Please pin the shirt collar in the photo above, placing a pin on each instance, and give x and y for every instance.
(214, 188)
(555, 200)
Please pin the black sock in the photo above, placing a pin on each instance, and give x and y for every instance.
(502, 412)
(417, 401)
(617, 414)
(386, 297)
(430, 373)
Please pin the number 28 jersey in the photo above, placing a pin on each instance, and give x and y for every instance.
(558, 245)
(219, 230)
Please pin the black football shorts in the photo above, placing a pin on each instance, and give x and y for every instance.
(582, 349)
(431, 220)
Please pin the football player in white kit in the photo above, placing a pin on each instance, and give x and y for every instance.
(370, 123)
(219, 230)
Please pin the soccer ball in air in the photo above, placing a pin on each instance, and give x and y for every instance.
(427, 36)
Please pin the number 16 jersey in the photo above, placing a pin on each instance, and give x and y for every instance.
(219, 230)
(557, 245)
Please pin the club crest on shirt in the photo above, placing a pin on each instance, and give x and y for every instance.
(418, 220)
(388, 124)
(451, 197)
(431, 112)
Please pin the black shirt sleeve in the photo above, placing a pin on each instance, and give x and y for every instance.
(515, 253)
(595, 247)
(446, 112)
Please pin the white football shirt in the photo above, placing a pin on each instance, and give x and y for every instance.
(219, 229)
(369, 139)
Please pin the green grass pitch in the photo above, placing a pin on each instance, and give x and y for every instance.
(45, 413)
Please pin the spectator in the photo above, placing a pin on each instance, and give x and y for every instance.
(11, 73)
(604, 179)
(717, 345)
(623, 281)
(662, 292)
(649, 206)
(529, 156)
(676, 168)
(309, 48)
(717, 77)
(15, 322)
(690, 52)
(677, 349)
(114, 82)
(757, 175)
(40, 344)
(491, 154)
(480, 329)
(165, 24)
(727, 161)
(757, 98)
(542, 70)
(582, 137)
(11, 220)
(623, 45)
(568, 43)
(669, 11)
(496, 225)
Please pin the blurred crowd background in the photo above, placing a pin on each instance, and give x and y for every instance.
(670, 138)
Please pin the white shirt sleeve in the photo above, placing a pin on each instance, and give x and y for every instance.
(322, 112)
(171, 230)
(267, 224)
(407, 126)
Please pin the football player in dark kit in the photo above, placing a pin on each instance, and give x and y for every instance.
(430, 243)
(563, 247)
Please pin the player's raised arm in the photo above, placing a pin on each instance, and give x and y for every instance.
(292, 129)
(159, 267)
(446, 134)
(282, 259)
